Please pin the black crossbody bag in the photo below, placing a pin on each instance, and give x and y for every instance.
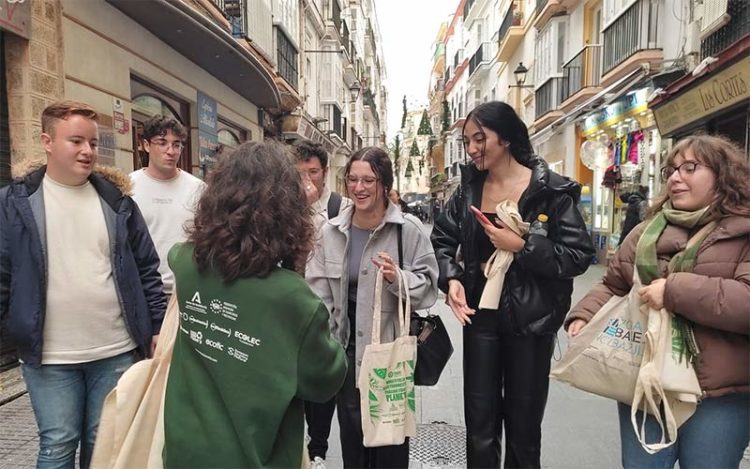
(434, 346)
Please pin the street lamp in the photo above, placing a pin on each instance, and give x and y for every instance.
(354, 90)
(520, 74)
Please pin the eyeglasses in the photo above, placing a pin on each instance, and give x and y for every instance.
(368, 181)
(685, 169)
(165, 145)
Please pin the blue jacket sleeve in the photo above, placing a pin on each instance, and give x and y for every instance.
(147, 260)
(566, 251)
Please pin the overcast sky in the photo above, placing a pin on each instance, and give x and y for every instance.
(408, 29)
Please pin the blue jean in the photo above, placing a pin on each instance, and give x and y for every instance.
(67, 402)
(715, 436)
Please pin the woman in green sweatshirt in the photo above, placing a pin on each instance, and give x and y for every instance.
(254, 340)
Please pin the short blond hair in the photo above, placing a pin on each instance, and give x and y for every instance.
(63, 110)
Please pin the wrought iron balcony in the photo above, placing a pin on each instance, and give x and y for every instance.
(737, 28)
(512, 18)
(633, 31)
(582, 71)
(235, 12)
(540, 4)
(482, 55)
(370, 101)
(548, 96)
(467, 7)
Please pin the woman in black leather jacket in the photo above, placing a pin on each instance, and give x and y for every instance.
(507, 351)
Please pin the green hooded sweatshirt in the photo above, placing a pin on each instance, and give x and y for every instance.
(246, 357)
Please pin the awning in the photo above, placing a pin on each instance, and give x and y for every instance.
(604, 97)
(206, 43)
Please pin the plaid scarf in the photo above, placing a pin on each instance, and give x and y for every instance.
(646, 260)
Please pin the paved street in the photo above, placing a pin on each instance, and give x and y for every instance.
(580, 430)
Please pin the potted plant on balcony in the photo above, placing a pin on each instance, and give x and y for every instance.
(517, 17)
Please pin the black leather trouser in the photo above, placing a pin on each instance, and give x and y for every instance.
(506, 380)
(319, 417)
(354, 453)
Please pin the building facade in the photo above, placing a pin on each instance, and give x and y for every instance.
(229, 70)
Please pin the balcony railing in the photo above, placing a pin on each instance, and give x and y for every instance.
(235, 12)
(467, 7)
(286, 58)
(511, 19)
(482, 55)
(345, 38)
(370, 101)
(737, 28)
(548, 97)
(633, 31)
(336, 14)
(540, 4)
(582, 71)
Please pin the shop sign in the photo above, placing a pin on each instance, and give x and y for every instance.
(631, 103)
(722, 90)
(15, 17)
(208, 141)
(120, 123)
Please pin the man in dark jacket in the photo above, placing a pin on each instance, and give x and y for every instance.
(80, 289)
(636, 212)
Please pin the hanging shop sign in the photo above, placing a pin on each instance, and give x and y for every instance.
(207, 126)
(724, 89)
(628, 105)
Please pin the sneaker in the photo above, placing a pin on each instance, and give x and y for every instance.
(318, 463)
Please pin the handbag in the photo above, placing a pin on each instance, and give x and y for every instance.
(434, 346)
(386, 377)
(131, 428)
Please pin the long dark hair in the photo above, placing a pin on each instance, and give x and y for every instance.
(253, 214)
(502, 119)
(728, 163)
(379, 163)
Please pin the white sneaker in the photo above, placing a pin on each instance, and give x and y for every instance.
(318, 463)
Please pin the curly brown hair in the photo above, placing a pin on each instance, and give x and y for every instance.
(728, 163)
(253, 215)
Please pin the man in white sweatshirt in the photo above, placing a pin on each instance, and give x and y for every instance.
(166, 194)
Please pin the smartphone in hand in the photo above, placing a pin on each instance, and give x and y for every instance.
(481, 218)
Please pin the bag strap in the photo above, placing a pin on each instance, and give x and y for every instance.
(169, 326)
(404, 305)
(334, 205)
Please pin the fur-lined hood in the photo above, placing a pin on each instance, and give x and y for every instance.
(114, 175)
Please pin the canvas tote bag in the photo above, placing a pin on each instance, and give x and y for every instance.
(605, 357)
(386, 377)
(667, 386)
(131, 429)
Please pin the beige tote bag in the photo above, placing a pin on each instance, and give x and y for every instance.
(386, 377)
(667, 386)
(131, 429)
(605, 357)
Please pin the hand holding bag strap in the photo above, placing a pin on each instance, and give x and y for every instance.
(404, 305)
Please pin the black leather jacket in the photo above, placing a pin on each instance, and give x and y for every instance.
(539, 283)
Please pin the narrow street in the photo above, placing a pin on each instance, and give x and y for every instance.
(580, 430)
